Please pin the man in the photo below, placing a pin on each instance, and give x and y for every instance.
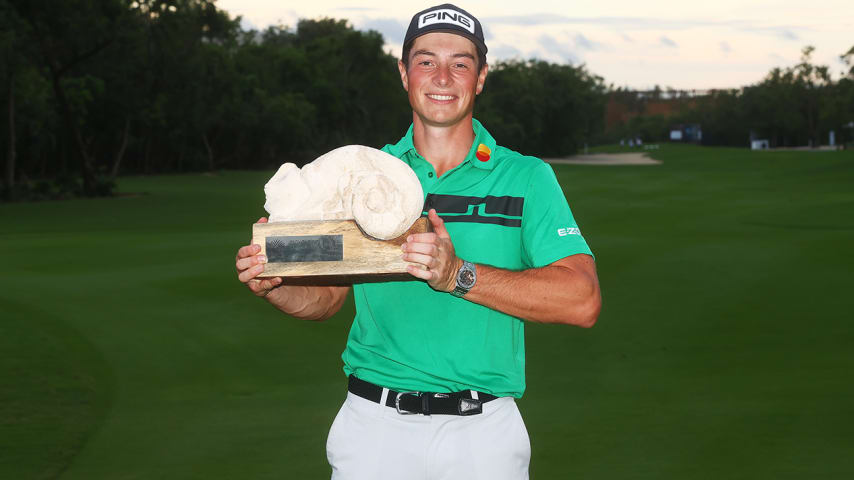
(435, 365)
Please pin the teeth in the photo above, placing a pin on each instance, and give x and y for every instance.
(441, 97)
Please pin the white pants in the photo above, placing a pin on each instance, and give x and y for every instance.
(372, 441)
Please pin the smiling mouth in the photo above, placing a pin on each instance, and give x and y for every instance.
(441, 98)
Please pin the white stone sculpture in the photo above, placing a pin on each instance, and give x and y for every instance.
(376, 189)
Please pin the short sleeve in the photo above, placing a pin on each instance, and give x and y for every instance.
(549, 231)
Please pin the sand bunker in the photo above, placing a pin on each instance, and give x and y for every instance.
(631, 158)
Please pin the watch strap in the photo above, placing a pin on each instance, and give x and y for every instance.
(459, 291)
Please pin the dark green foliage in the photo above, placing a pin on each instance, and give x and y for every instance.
(102, 87)
(649, 128)
(794, 106)
(174, 85)
(96, 88)
(542, 109)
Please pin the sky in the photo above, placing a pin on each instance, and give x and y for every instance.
(637, 44)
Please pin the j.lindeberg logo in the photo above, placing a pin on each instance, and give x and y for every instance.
(446, 15)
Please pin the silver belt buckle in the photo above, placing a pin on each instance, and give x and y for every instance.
(397, 403)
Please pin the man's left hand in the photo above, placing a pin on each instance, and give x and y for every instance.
(433, 255)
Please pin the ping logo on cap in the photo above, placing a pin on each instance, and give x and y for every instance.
(446, 15)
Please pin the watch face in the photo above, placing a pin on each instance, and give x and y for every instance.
(466, 278)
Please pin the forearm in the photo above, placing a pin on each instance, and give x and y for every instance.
(565, 291)
(552, 294)
(308, 302)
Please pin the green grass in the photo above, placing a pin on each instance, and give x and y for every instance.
(129, 350)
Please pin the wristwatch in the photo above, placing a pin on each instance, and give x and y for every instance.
(466, 277)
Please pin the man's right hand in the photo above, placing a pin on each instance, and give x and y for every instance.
(306, 302)
(250, 264)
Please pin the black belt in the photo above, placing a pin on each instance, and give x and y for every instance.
(425, 403)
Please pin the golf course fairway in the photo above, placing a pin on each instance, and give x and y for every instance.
(725, 347)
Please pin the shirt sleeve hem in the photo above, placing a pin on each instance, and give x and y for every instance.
(548, 259)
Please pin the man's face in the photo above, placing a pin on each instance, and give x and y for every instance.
(442, 79)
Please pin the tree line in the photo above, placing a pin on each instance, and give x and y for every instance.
(99, 88)
(791, 106)
(93, 89)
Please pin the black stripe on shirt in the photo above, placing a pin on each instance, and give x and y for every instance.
(456, 204)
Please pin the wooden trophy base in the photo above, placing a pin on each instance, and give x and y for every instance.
(331, 252)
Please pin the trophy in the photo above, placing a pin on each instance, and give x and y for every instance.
(341, 218)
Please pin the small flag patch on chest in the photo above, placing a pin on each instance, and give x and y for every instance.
(483, 152)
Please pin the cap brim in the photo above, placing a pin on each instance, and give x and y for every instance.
(481, 47)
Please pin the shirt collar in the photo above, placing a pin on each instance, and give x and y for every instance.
(480, 155)
(404, 145)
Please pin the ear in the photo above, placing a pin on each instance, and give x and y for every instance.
(481, 78)
(403, 77)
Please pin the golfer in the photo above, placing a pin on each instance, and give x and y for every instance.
(435, 364)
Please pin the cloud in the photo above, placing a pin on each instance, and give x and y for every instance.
(783, 31)
(356, 9)
(526, 20)
(789, 35)
(627, 38)
(634, 23)
(555, 48)
(787, 32)
(391, 29)
(487, 34)
(667, 42)
(725, 47)
(582, 42)
(247, 25)
(503, 51)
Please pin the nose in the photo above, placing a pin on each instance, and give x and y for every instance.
(443, 76)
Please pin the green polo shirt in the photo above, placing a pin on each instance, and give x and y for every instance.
(501, 208)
